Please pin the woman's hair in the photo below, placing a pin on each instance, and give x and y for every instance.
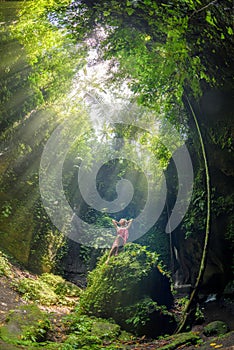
(123, 221)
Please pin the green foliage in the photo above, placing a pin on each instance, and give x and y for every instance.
(48, 244)
(149, 61)
(16, 97)
(161, 48)
(38, 59)
(139, 313)
(48, 289)
(37, 332)
(230, 237)
(156, 240)
(199, 315)
(222, 204)
(221, 136)
(36, 290)
(6, 210)
(196, 212)
(60, 286)
(51, 51)
(5, 267)
(85, 254)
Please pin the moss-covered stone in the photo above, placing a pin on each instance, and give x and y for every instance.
(215, 328)
(89, 332)
(180, 340)
(26, 323)
(105, 330)
(133, 290)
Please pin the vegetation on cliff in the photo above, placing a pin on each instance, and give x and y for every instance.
(169, 65)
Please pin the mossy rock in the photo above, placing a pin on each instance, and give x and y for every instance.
(215, 328)
(95, 332)
(89, 332)
(133, 290)
(105, 330)
(75, 341)
(180, 340)
(26, 323)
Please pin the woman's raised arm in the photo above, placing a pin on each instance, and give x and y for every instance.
(129, 223)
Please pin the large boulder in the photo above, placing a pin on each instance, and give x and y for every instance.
(133, 290)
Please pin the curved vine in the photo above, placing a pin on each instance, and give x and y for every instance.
(194, 292)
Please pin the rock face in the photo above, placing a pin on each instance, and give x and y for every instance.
(215, 118)
(75, 270)
(76, 263)
(132, 290)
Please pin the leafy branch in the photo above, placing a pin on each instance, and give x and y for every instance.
(203, 8)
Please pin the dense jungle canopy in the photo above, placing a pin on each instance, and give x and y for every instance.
(114, 109)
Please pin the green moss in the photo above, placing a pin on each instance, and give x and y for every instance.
(180, 340)
(215, 328)
(16, 234)
(223, 336)
(105, 330)
(25, 325)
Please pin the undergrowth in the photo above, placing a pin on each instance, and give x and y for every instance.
(48, 289)
(89, 332)
(5, 267)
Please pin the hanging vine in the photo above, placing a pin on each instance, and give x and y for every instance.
(193, 295)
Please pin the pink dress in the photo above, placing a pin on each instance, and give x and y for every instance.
(123, 233)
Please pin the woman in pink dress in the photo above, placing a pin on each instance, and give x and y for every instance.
(122, 235)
